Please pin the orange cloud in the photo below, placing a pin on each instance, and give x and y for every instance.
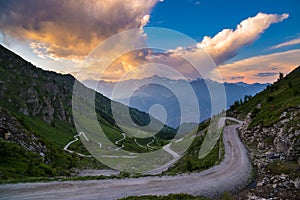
(63, 29)
(261, 68)
(126, 63)
(139, 64)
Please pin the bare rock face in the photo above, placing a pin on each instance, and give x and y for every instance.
(47, 106)
(261, 146)
(294, 151)
(283, 115)
(297, 183)
(48, 111)
(281, 145)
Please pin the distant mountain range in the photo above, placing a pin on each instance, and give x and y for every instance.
(160, 90)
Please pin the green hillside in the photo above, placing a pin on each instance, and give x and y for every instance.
(267, 106)
(40, 105)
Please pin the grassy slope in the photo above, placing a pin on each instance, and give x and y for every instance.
(17, 77)
(274, 100)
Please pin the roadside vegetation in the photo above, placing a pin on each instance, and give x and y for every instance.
(279, 167)
(167, 197)
(191, 162)
(225, 196)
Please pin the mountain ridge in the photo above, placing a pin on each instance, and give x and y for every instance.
(156, 90)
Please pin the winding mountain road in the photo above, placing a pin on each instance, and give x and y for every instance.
(117, 142)
(149, 146)
(75, 140)
(232, 173)
(165, 167)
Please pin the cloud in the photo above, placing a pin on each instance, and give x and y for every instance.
(197, 3)
(260, 68)
(288, 43)
(237, 77)
(128, 62)
(226, 44)
(144, 21)
(141, 63)
(266, 74)
(63, 29)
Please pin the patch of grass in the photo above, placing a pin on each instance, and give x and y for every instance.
(16, 163)
(89, 163)
(290, 168)
(227, 196)
(191, 162)
(59, 135)
(203, 125)
(167, 197)
(230, 122)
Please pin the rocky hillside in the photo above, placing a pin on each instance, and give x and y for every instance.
(12, 130)
(272, 134)
(31, 91)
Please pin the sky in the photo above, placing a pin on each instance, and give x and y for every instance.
(249, 41)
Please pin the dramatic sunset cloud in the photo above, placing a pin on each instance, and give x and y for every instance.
(226, 44)
(288, 43)
(63, 29)
(261, 68)
(122, 65)
(60, 34)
